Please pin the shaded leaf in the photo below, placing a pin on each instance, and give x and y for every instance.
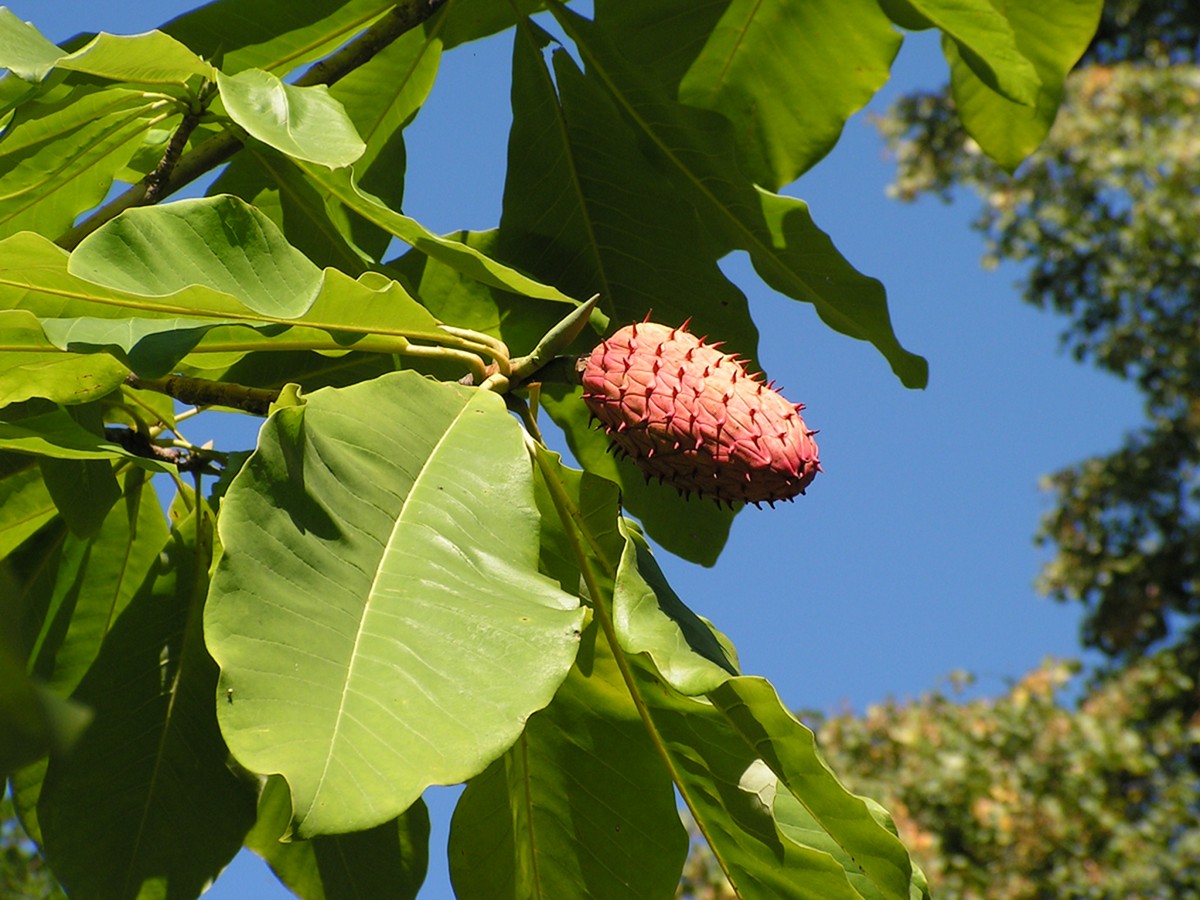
(695, 149)
(649, 618)
(84, 490)
(146, 802)
(582, 805)
(25, 504)
(77, 588)
(389, 860)
(303, 122)
(55, 434)
(221, 243)
(378, 610)
(1053, 36)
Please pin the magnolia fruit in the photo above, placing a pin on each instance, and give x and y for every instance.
(691, 416)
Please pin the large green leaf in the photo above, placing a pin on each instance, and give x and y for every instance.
(787, 75)
(983, 36)
(695, 149)
(61, 151)
(378, 612)
(584, 209)
(1053, 36)
(151, 58)
(303, 122)
(146, 805)
(649, 617)
(581, 806)
(221, 243)
(733, 759)
(389, 860)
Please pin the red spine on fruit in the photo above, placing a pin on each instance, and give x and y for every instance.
(692, 417)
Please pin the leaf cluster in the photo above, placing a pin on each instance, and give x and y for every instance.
(400, 586)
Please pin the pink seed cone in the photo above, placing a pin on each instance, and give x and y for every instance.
(691, 416)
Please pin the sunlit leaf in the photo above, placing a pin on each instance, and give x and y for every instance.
(378, 611)
(787, 75)
(303, 122)
(31, 366)
(221, 243)
(151, 58)
(61, 152)
(25, 504)
(24, 51)
(1053, 36)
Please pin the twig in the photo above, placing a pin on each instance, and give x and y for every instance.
(187, 167)
(202, 392)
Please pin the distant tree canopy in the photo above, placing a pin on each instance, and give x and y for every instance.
(1020, 797)
(1104, 218)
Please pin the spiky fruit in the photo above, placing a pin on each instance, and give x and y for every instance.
(692, 416)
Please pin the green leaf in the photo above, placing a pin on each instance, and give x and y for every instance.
(146, 799)
(24, 51)
(221, 243)
(84, 490)
(151, 58)
(984, 38)
(389, 860)
(303, 122)
(25, 504)
(650, 618)
(787, 75)
(1053, 36)
(55, 434)
(34, 721)
(581, 806)
(62, 150)
(31, 366)
(77, 588)
(815, 809)
(457, 255)
(733, 760)
(278, 37)
(378, 610)
(695, 150)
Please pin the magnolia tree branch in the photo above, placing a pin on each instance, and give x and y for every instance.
(202, 392)
(178, 170)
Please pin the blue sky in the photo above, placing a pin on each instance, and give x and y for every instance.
(912, 555)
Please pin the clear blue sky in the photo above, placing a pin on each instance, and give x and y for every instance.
(912, 556)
